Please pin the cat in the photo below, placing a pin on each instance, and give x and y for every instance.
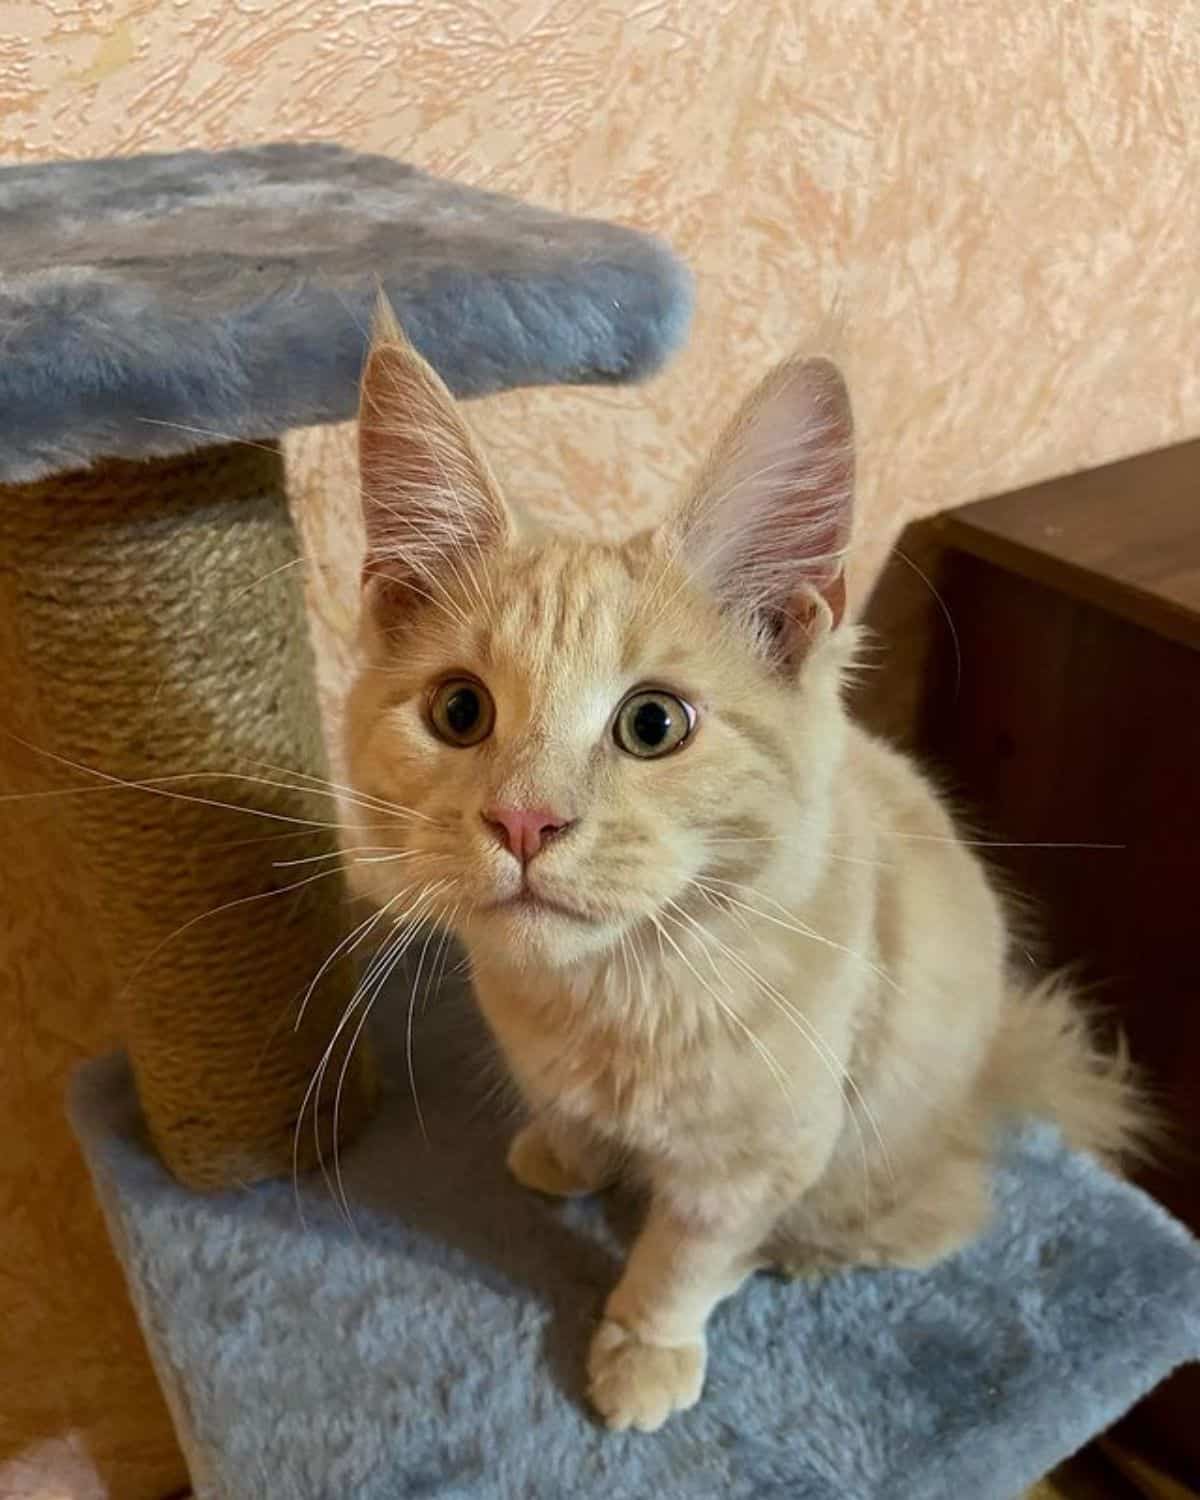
(730, 945)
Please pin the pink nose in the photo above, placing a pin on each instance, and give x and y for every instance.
(524, 829)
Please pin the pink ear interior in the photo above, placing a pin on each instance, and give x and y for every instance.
(768, 529)
(428, 496)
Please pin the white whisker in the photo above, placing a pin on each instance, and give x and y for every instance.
(347, 945)
(946, 615)
(837, 1070)
(359, 797)
(377, 973)
(768, 1057)
(791, 924)
(208, 432)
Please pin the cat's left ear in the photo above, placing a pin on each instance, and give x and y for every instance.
(767, 529)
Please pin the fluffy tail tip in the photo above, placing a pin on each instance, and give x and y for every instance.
(1050, 1062)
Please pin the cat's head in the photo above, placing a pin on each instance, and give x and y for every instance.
(590, 739)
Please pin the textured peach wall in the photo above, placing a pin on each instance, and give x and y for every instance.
(997, 197)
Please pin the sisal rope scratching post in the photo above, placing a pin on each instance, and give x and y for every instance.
(152, 304)
(161, 610)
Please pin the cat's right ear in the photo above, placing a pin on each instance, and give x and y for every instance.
(430, 503)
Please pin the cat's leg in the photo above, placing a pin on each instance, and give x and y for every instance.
(913, 1224)
(648, 1355)
(554, 1158)
(941, 1214)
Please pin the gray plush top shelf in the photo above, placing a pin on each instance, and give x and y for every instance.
(232, 291)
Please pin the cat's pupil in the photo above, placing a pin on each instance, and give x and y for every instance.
(462, 710)
(652, 723)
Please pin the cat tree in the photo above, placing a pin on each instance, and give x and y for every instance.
(435, 1344)
(155, 310)
(435, 1348)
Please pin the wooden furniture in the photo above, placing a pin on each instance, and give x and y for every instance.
(1056, 684)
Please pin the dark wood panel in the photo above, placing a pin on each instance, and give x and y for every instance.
(1068, 725)
(1125, 538)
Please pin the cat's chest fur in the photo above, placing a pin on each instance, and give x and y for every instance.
(643, 1083)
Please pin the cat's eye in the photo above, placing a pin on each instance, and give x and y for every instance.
(461, 711)
(651, 723)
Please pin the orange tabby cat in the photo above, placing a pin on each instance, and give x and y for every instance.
(729, 944)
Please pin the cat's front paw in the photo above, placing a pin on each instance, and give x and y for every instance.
(812, 1270)
(534, 1163)
(632, 1383)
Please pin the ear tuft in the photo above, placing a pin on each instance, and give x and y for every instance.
(385, 326)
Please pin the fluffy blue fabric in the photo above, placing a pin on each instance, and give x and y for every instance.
(231, 293)
(436, 1348)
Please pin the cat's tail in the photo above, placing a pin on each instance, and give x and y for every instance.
(1048, 1061)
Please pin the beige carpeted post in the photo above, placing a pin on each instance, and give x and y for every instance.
(161, 616)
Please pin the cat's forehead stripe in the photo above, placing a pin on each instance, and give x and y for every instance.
(569, 601)
(590, 615)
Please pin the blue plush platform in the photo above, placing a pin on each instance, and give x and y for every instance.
(147, 302)
(437, 1348)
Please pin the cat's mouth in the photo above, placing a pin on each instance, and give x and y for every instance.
(533, 902)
